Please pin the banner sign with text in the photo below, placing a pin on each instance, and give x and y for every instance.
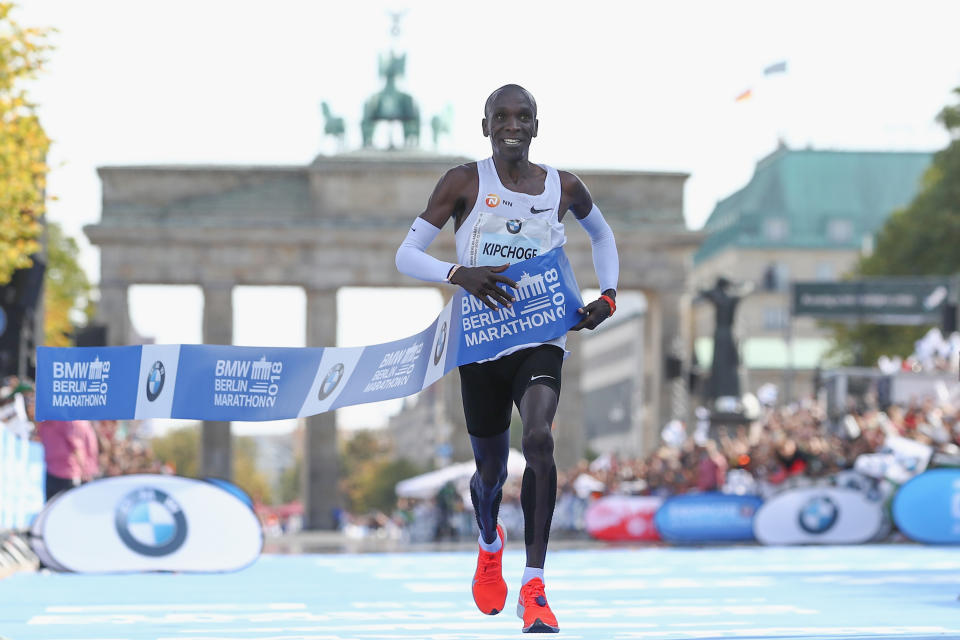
(211, 382)
(903, 301)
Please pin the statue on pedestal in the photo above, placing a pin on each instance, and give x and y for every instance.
(390, 103)
(724, 370)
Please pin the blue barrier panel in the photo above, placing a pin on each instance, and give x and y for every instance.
(927, 508)
(147, 522)
(22, 478)
(707, 517)
(819, 515)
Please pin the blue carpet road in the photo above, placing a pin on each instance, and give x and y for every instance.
(905, 592)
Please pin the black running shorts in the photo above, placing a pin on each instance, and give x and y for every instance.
(489, 389)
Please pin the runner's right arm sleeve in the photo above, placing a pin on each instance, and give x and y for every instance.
(412, 257)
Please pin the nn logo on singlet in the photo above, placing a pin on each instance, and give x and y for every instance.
(492, 200)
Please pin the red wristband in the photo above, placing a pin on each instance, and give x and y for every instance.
(613, 305)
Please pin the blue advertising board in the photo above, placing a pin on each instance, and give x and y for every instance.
(22, 480)
(707, 517)
(927, 508)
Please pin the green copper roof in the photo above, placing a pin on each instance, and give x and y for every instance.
(814, 199)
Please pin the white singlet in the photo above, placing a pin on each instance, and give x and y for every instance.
(507, 226)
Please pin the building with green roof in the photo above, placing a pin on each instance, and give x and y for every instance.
(805, 215)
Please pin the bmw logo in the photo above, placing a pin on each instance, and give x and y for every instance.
(155, 380)
(818, 515)
(330, 381)
(151, 523)
(441, 343)
(513, 226)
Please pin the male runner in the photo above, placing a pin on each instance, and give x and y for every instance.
(530, 200)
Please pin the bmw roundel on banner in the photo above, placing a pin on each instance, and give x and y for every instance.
(927, 508)
(147, 523)
(158, 378)
(818, 515)
(443, 349)
(707, 517)
(336, 365)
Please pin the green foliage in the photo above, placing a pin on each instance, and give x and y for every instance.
(862, 345)
(23, 144)
(372, 488)
(66, 293)
(245, 472)
(920, 239)
(180, 448)
(288, 486)
(370, 473)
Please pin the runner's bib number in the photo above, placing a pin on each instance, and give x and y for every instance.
(496, 240)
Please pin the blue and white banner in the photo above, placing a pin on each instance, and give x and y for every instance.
(209, 382)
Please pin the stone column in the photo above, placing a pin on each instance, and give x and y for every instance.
(652, 370)
(569, 433)
(114, 311)
(216, 456)
(670, 338)
(321, 469)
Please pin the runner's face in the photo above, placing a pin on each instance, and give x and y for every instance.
(510, 124)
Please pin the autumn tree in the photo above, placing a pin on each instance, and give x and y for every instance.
(66, 292)
(23, 144)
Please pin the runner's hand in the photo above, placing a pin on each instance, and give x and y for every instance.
(594, 313)
(483, 283)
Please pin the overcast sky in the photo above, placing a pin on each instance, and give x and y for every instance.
(638, 85)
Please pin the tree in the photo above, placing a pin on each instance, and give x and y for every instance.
(245, 472)
(180, 448)
(288, 486)
(23, 144)
(919, 240)
(66, 292)
(370, 473)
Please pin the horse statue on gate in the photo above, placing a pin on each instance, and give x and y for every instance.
(440, 124)
(391, 104)
(333, 125)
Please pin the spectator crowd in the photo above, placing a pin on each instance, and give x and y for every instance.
(78, 451)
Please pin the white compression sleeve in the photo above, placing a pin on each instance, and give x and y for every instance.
(606, 261)
(412, 258)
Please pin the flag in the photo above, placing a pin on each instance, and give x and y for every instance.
(776, 67)
(745, 95)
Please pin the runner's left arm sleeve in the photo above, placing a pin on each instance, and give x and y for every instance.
(413, 259)
(606, 260)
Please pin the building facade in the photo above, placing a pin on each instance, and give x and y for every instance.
(805, 215)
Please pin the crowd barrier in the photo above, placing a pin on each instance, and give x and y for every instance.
(148, 522)
(22, 480)
(925, 509)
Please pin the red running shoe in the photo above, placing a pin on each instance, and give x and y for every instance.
(534, 610)
(489, 588)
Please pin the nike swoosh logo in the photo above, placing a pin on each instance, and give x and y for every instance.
(538, 377)
(532, 210)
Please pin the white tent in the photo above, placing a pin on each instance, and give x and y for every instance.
(428, 484)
